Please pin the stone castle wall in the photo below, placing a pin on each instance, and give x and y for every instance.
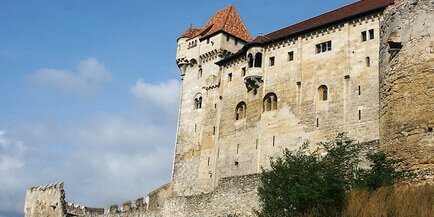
(217, 157)
(407, 84)
(212, 144)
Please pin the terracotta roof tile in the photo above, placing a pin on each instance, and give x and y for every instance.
(226, 20)
(351, 10)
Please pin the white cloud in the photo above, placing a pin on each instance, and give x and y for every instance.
(104, 159)
(165, 94)
(88, 78)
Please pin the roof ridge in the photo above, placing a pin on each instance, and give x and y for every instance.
(227, 15)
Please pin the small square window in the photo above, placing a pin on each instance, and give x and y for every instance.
(230, 77)
(271, 61)
(371, 34)
(291, 56)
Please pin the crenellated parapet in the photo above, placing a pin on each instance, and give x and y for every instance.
(80, 210)
(137, 205)
(45, 200)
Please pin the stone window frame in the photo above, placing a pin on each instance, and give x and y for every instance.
(269, 102)
(323, 93)
(240, 111)
(198, 101)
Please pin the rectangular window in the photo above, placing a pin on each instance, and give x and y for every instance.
(364, 37)
(207, 40)
(360, 115)
(324, 47)
(274, 140)
(213, 131)
(230, 77)
(291, 56)
(228, 38)
(360, 91)
(208, 161)
(371, 34)
(256, 143)
(271, 61)
(243, 71)
(236, 41)
(317, 122)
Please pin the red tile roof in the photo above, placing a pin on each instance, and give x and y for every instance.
(226, 20)
(351, 10)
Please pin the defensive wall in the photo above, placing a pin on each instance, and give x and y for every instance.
(219, 151)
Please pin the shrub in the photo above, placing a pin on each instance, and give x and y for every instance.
(300, 184)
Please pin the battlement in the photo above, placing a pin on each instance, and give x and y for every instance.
(129, 206)
(53, 186)
(79, 210)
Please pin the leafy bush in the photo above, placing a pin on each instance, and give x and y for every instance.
(298, 184)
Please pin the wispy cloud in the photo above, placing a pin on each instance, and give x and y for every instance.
(103, 159)
(86, 80)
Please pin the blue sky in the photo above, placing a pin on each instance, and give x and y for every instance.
(89, 90)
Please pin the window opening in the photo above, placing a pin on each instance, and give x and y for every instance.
(258, 60)
(323, 93)
(324, 47)
(230, 77)
(271, 61)
(270, 102)
(360, 91)
(240, 111)
(243, 71)
(238, 148)
(371, 34)
(274, 139)
(360, 115)
(291, 56)
(250, 57)
(368, 61)
(317, 122)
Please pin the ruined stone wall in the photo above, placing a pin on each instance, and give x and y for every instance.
(46, 200)
(407, 84)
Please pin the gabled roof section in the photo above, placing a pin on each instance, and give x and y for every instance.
(349, 11)
(226, 20)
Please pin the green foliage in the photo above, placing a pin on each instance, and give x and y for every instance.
(300, 183)
(381, 173)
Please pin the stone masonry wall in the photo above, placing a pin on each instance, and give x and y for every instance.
(407, 84)
(46, 200)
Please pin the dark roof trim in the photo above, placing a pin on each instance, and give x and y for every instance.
(286, 32)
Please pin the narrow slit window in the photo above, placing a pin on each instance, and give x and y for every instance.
(238, 148)
(360, 115)
(360, 90)
(229, 77)
(256, 143)
(208, 161)
(274, 140)
(368, 61)
(213, 131)
(317, 122)
(243, 71)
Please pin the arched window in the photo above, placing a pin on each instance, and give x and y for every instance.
(250, 58)
(258, 60)
(198, 101)
(323, 93)
(240, 111)
(368, 62)
(270, 102)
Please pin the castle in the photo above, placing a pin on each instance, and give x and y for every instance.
(366, 69)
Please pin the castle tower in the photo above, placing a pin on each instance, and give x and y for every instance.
(198, 50)
(407, 84)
